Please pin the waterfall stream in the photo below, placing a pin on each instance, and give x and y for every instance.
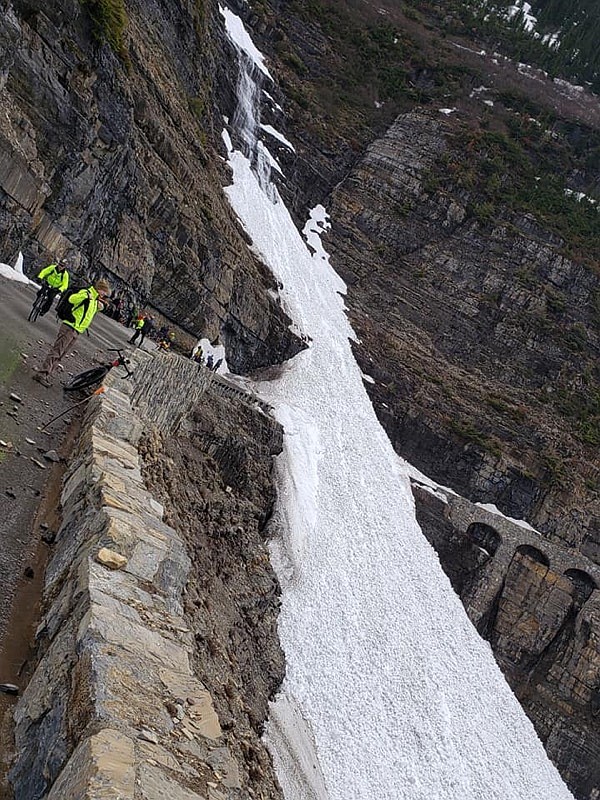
(246, 122)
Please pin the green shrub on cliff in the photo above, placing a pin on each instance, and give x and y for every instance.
(582, 405)
(521, 170)
(468, 432)
(110, 20)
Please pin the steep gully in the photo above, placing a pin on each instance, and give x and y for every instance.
(439, 377)
(408, 353)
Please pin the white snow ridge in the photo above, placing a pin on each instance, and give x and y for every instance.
(390, 694)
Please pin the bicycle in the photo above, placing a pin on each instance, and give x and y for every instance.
(93, 376)
(42, 303)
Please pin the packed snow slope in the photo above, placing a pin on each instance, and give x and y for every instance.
(390, 693)
(403, 698)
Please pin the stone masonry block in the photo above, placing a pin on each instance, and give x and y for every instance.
(76, 538)
(155, 784)
(134, 637)
(101, 768)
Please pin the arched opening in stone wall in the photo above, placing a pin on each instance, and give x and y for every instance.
(484, 536)
(532, 552)
(583, 584)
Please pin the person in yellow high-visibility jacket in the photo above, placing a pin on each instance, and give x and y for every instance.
(144, 325)
(55, 279)
(85, 305)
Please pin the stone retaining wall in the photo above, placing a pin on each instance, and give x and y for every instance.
(113, 708)
(166, 387)
(226, 388)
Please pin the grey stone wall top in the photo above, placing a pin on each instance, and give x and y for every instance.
(113, 708)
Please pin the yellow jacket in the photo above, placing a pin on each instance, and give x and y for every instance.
(54, 278)
(85, 306)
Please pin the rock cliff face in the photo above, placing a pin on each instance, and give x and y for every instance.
(111, 161)
(478, 338)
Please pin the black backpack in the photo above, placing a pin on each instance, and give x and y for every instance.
(64, 309)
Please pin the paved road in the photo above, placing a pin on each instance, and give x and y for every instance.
(22, 481)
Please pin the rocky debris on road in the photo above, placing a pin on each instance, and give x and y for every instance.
(48, 537)
(15, 397)
(148, 736)
(52, 455)
(9, 688)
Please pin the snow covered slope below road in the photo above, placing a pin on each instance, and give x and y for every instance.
(400, 695)
(389, 693)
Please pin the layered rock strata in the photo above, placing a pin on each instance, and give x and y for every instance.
(112, 162)
(482, 343)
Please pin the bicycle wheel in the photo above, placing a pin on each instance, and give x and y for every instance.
(87, 378)
(37, 307)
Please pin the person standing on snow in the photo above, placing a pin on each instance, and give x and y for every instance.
(82, 308)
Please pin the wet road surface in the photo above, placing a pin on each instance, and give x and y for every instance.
(29, 482)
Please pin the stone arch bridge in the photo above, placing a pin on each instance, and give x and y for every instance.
(538, 604)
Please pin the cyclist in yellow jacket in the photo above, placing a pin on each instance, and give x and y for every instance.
(55, 279)
(85, 304)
